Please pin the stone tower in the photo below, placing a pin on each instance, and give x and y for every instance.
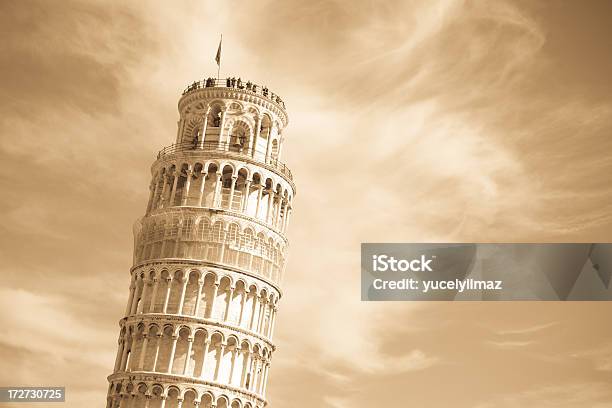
(209, 255)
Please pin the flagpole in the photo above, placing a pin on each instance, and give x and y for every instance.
(219, 64)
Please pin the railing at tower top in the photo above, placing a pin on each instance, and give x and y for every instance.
(229, 148)
(236, 83)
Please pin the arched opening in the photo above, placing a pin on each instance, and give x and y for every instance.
(212, 356)
(206, 401)
(240, 136)
(197, 179)
(140, 399)
(210, 186)
(213, 126)
(226, 185)
(156, 394)
(173, 395)
(222, 299)
(262, 141)
(188, 399)
(165, 347)
(182, 175)
(180, 352)
(198, 353)
(222, 402)
(136, 348)
(149, 361)
(191, 294)
(207, 301)
(227, 360)
(192, 134)
(175, 292)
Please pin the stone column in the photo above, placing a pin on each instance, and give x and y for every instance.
(119, 355)
(132, 362)
(255, 297)
(231, 373)
(221, 126)
(202, 185)
(253, 146)
(131, 298)
(167, 297)
(126, 345)
(204, 127)
(230, 294)
(163, 401)
(217, 190)
(182, 299)
(286, 218)
(143, 351)
(177, 175)
(157, 344)
(162, 197)
(271, 331)
(220, 352)
(245, 197)
(231, 196)
(265, 378)
(153, 295)
(270, 205)
(175, 338)
(145, 290)
(188, 355)
(214, 298)
(242, 303)
(259, 195)
(199, 295)
(206, 343)
(278, 212)
(255, 378)
(186, 188)
(245, 368)
(269, 145)
(262, 314)
(135, 299)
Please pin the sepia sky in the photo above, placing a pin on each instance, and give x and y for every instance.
(487, 121)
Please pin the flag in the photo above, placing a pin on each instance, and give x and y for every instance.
(218, 57)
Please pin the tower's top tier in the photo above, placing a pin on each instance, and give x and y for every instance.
(233, 88)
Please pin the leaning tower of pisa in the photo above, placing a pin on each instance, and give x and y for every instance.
(209, 254)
